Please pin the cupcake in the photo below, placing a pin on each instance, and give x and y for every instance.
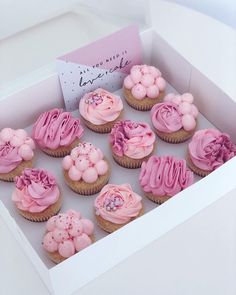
(131, 143)
(144, 87)
(86, 170)
(100, 110)
(57, 132)
(67, 234)
(208, 150)
(36, 195)
(117, 205)
(16, 153)
(175, 119)
(163, 177)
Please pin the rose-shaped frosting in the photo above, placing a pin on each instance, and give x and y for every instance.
(164, 176)
(100, 106)
(56, 128)
(144, 81)
(118, 203)
(132, 139)
(85, 162)
(35, 191)
(67, 233)
(176, 112)
(209, 149)
(15, 146)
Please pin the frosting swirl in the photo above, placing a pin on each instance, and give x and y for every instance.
(134, 140)
(67, 233)
(209, 149)
(35, 191)
(118, 203)
(164, 176)
(100, 106)
(56, 128)
(15, 146)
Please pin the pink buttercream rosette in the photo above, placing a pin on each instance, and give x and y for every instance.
(67, 233)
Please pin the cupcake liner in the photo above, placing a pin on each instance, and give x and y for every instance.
(16, 172)
(144, 104)
(109, 226)
(157, 199)
(104, 128)
(195, 169)
(61, 151)
(175, 137)
(45, 214)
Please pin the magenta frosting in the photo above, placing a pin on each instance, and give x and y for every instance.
(9, 158)
(56, 128)
(165, 176)
(209, 149)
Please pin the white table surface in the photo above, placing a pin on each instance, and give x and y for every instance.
(183, 264)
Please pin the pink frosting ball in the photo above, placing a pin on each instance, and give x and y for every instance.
(154, 71)
(74, 153)
(185, 108)
(60, 235)
(73, 213)
(74, 173)
(139, 91)
(76, 228)
(101, 167)
(30, 142)
(152, 91)
(145, 69)
(6, 134)
(177, 99)
(88, 226)
(188, 122)
(135, 75)
(67, 162)
(169, 97)
(62, 221)
(82, 242)
(187, 97)
(90, 175)
(147, 80)
(51, 223)
(128, 83)
(66, 249)
(49, 243)
(26, 152)
(194, 110)
(161, 83)
(94, 156)
(82, 163)
(21, 133)
(16, 141)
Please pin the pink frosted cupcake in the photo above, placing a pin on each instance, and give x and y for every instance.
(86, 170)
(57, 132)
(131, 143)
(100, 110)
(36, 195)
(144, 87)
(163, 177)
(175, 119)
(67, 234)
(117, 205)
(208, 150)
(16, 153)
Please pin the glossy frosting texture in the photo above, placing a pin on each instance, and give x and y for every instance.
(100, 106)
(144, 81)
(85, 162)
(15, 146)
(209, 149)
(132, 139)
(164, 176)
(36, 190)
(56, 128)
(67, 233)
(176, 112)
(118, 203)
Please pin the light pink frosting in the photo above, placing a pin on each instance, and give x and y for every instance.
(85, 162)
(67, 233)
(144, 81)
(100, 106)
(35, 190)
(56, 128)
(15, 146)
(164, 176)
(176, 112)
(118, 203)
(134, 140)
(209, 149)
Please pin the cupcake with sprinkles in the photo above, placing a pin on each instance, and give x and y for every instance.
(175, 119)
(144, 87)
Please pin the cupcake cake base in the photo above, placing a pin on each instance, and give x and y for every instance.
(62, 150)
(157, 199)
(16, 172)
(195, 169)
(175, 137)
